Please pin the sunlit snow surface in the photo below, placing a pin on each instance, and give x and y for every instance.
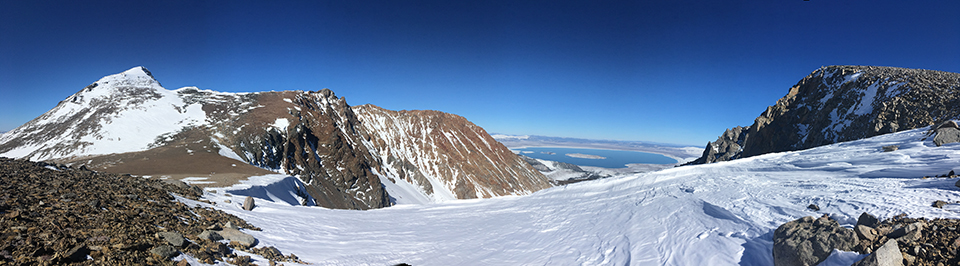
(715, 214)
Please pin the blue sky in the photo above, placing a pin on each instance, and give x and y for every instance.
(661, 71)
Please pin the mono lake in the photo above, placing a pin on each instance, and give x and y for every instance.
(595, 157)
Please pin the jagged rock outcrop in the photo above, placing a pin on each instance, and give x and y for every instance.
(445, 155)
(128, 123)
(842, 103)
(727, 147)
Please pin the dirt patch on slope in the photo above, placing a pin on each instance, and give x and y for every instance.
(189, 157)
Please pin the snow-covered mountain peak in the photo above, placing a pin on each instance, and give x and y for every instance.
(137, 76)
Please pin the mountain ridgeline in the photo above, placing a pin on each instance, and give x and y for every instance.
(842, 103)
(128, 123)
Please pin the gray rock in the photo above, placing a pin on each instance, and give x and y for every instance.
(165, 251)
(230, 225)
(865, 232)
(939, 204)
(946, 135)
(908, 233)
(868, 220)
(808, 241)
(890, 148)
(887, 255)
(248, 203)
(210, 235)
(234, 235)
(173, 238)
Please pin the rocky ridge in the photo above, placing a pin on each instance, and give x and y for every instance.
(128, 123)
(842, 103)
(55, 214)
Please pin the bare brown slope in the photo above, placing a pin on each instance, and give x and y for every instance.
(178, 160)
(420, 145)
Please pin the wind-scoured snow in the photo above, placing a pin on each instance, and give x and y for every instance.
(715, 214)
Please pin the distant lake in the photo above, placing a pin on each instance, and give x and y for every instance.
(595, 157)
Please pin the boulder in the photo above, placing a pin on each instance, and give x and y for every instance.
(887, 255)
(173, 238)
(808, 241)
(248, 203)
(909, 233)
(947, 133)
(939, 204)
(234, 235)
(865, 232)
(868, 220)
(210, 235)
(164, 251)
(890, 148)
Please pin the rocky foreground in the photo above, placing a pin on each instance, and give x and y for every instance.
(54, 214)
(899, 240)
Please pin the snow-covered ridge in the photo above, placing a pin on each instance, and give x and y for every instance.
(715, 214)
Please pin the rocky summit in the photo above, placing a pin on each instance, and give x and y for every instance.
(128, 123)
(842, 103)
(55, 214)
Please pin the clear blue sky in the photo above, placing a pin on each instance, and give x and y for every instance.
(662, 71)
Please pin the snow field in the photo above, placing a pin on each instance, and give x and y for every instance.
(716, 214)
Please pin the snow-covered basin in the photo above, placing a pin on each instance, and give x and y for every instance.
(716, 214)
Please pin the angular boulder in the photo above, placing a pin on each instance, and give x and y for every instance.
(173, 238)
(887, 255)
(234, 235)
(165, 251)
(947, 133)
(808, 241)
(210, 235)
(868, 220)
(865, 232)
(248, 203)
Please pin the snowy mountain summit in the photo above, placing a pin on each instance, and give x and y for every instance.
(842, 103)
(344, 158)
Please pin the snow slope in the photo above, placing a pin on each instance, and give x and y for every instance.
(716, 214)
(119, 113)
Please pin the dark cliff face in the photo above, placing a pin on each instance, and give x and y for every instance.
(317, 142)
(842, 103)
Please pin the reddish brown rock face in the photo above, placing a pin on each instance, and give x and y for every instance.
(446, 155)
